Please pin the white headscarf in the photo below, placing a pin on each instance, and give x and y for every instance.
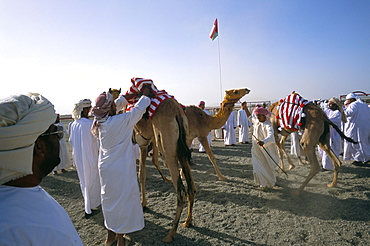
(23, 118)
(85, 103)
(352, 95)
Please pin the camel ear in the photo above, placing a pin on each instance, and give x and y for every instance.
(110, 90)
(119, 90)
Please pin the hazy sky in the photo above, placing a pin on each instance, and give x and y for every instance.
(70, 50)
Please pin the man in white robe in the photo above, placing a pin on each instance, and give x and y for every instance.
(201, 149)
(243, 123)
(29, 150)
(336, 114)
(120, 193)
(357, 128)
(229, 130)
(85, 155)
(65, 160)
(263, 140)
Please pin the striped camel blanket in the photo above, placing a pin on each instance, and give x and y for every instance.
(160, 95)
(290, 111)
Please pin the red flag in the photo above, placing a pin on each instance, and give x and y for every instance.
(214, 31)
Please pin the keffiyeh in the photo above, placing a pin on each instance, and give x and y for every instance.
(103, 104)
(85, 103)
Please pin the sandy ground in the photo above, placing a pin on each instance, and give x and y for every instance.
(235, 212)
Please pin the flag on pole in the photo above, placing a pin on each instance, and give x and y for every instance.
(214, 31)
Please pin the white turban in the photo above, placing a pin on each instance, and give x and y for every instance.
(23, 118)
(352, 96)
(79, 107)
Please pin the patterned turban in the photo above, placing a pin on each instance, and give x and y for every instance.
(260, 110)
(101, 109)
(85, 103)
(23, 118)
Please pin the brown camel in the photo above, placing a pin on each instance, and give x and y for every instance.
(315, 131)
(115, 92)
(200, 123)
(199, 126)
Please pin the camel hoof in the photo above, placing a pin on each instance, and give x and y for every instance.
(186, 224)
(331, 185)
(222, 178)
(168, 239)
(166, 180)
(291, 167)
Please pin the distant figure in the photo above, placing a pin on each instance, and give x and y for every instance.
(229, 130)
(264, 150)
(295, 147)
(29, 151)
(243, 123)
(85, 155)
(120, 193)
(202, 105)
(357, 128)
(65, 159)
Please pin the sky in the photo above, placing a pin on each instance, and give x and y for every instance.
(70, 50)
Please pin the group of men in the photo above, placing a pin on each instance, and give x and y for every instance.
(104, 157)
(102, 152)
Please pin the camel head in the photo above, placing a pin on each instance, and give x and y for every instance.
(232, 96)
(115, 93)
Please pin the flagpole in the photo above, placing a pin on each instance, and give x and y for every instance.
(219, 65)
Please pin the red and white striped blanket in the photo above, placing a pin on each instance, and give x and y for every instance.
(160, 95)
(290, 111)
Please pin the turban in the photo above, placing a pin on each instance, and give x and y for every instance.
(335, 100)
(200, 103)
(101, 109)
(23, 118)
(352, 96)
(86, 103)
(260, 110)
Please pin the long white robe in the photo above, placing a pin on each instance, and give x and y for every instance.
(30, 216)
(229, 130)
(244, 125)
(295, 147)
(85, 155)
(335, 139)
(200, 146)
(357, 128)
(117, 167)
(263, 166)
(65, 159)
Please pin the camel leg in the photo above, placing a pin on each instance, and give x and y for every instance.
(191, 195)
(142, 174)
(211, 157)
(326, 147)
(282, 146)
(156, 162)
(308, 143)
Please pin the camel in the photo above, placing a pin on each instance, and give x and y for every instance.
(115, 92)
(200, 123)
(315, 131)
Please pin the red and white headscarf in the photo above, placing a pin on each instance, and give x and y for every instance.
(260, 110)
(160, 95)
(103, 104)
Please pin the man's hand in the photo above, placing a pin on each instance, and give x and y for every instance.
(260, 143)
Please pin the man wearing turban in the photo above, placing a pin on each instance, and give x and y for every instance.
(29, 150)
(85, 155)
(336, 114)
(264, 151)
(243, 123)
(120, 193)
(357, 128)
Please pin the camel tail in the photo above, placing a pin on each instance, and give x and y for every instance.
(340, 132)
(183, 152)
